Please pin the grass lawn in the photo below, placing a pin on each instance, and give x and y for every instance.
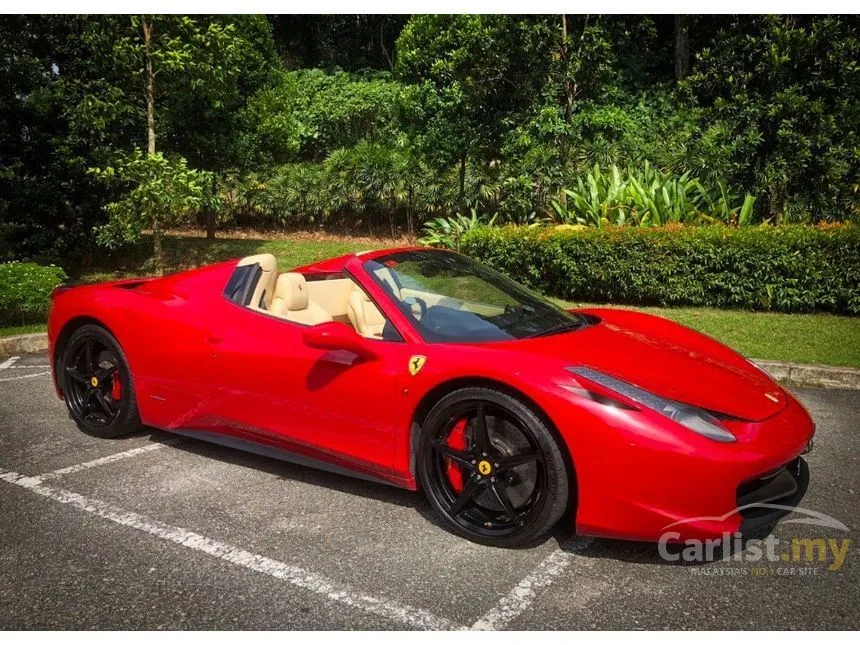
(799, 338)
(186, 252)
(796, 338)
(22, 329)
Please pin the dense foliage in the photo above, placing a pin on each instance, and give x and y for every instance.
(780, 105)
(25, 289)
(387, 122)
(72, 99)
(786, 268)
(648, 198)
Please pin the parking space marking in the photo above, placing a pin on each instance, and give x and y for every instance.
(5, 365)
(293, 575)
(523, 595)
(28, 367)
(18, 378)
(118, 456)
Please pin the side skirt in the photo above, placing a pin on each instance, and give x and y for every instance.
(263, 450)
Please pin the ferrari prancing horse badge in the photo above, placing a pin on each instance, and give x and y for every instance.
(416, 363)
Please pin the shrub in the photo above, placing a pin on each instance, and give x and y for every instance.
(308, 114)
(447, 231)
(778, 113)
(25, 291)
(648, 197)
(789, 268)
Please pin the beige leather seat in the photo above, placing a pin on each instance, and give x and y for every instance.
(265, 288)
(388, 281)
(364, 315)
(291, 301)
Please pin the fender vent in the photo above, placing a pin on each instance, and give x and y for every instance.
(131, 285)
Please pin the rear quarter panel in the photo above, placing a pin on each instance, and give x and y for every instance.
(161, 325)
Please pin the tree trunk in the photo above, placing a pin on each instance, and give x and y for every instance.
(149, 93)
(682, 47)
(462, 199)
(388, 58)
(776, 203)
(568, 85)
(410, 225)
(156, 247)
(210, 223)
(210, 213)
(149, 84)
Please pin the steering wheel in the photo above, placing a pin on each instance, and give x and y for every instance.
(422, 306)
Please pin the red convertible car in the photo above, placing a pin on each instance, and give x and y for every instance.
(423, 369)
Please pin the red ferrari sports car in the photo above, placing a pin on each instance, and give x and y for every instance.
(423, 369)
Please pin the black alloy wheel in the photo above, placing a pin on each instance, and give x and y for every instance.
(96, 384)
(491, 468)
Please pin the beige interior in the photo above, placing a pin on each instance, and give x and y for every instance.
(292, 301)
(434, 299)
(293, 298)
(364, 315)
(332, 295)
(265, 289)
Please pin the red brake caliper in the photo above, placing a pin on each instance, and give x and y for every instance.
(457, 441)
(116, 386)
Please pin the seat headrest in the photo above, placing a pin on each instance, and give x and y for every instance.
(293, 290)
(266, 261)
(388, 281)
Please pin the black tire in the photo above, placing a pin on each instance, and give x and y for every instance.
(536, 489)
(89, 364)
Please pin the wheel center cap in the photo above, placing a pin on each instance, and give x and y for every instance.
(485, 467)
(94, 382)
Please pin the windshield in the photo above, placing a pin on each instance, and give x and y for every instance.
(451, 298)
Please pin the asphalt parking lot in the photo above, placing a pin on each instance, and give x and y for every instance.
(160, 532)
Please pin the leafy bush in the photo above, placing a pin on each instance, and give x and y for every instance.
(779, 113)
(648, 198)
(308, 114)
(25, 290)
(789, 268)
(447, 231)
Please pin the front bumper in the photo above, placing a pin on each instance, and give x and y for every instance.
(764, 500)
(641, 482)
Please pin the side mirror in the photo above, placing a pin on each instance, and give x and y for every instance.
(337, 335)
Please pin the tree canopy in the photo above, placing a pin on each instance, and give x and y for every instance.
(358, 120)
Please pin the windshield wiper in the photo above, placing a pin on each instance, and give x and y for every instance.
(557, 329)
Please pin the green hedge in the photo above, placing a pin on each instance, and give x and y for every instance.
(25, 291)
(790, 268)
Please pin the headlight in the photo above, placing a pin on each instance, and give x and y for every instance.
(697, 420)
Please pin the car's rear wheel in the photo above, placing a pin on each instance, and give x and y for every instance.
(491, 468)
(97, 384)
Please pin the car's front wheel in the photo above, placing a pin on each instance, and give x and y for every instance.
(97, 384)
(491, 468)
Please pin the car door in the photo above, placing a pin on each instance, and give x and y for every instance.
(271, 385)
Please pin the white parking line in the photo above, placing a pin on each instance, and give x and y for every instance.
(5, 365)
(118, 456)
(523, 595)
(28, 367)
(290, 574)
(18, 378)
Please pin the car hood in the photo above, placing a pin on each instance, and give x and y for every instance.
(668, 359)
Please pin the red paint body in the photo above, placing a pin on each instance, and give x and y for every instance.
(202, 363)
